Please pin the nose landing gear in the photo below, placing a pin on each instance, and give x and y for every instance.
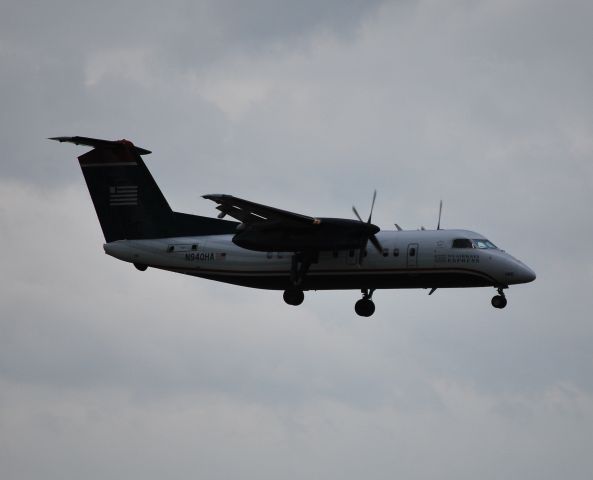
(499, 301)
(365, 306)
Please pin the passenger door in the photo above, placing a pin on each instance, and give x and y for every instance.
(413, 255)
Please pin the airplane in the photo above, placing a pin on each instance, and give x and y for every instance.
(274, 249)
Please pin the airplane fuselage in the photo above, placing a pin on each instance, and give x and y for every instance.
(270, 248)
(410, 259)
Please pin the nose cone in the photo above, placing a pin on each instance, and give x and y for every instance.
(524, 274)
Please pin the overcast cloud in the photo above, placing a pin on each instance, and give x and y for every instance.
(106, 372)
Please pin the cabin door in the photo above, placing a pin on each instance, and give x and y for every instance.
(413, 255)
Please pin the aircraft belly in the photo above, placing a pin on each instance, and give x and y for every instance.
(350, 280)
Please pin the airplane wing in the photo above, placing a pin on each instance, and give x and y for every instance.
(255, 214)
(270, 229)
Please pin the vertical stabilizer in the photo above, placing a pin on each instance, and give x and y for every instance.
(128, 202)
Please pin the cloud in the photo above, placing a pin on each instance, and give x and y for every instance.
(127, 65)
(307, 106)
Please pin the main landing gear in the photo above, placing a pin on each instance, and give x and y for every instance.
(293, 296)
(499, 301)
(299, 267)
(365, 306)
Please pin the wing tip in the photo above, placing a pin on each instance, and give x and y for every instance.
(215, 197)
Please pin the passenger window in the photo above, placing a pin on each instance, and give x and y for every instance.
(335, 254)
(194, 247)
(412, 252)
(270, 255)
(350, 253)
(385, 252)
(462, 243)
(396, 252)
(170, 249)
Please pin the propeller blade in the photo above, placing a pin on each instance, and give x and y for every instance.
(440, 211)
(372, 238)
(376, 244)
(356, 213)
(372, 206)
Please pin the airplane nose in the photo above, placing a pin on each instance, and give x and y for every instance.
(525, 274)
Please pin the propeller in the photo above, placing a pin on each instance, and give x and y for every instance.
(372, 238)
(440, 211)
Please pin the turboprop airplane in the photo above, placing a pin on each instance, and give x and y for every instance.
(275, 249)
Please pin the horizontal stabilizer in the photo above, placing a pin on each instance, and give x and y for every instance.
(98, 143)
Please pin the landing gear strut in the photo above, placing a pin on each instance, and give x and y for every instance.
(499, 301)
(299, 266)
(365, 306)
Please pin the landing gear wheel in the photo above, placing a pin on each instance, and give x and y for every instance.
(293, 296)
(499, 301)
(364, 307)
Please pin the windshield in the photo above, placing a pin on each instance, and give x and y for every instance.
(480, 243)
(483, 243)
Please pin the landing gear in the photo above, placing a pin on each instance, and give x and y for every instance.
(499, 301)
(293, 296)
(365, 306)
(299, 266)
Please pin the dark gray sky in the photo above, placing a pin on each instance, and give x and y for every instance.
(106, 372)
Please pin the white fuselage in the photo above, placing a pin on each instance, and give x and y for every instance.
(410, 259)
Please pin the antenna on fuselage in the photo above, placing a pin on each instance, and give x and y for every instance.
(440, 211)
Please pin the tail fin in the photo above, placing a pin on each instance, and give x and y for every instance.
(128, 201)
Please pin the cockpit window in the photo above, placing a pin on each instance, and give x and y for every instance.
(480, 243)
(483, 243)
(462, 243)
